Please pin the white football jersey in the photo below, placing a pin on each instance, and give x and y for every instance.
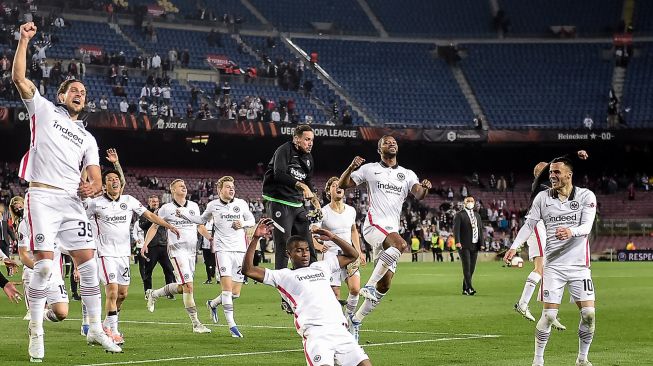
(339, 224)
(578, 210)
(112, 220)
(308, 291)
(186, 244)
(225, 238)
(388, 188)
(57, 259)
(59, 148)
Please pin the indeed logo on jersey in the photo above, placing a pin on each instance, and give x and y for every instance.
(312, 277)
(68, 134)
(297, 174)
(225, 216)
(389, 187)
(563, 218)
(122, 218)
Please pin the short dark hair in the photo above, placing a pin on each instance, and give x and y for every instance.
(565, 161)
(294, 240)
(153, 196)
(63, 88)
(107, 172)
(380, 142)
(300, 129)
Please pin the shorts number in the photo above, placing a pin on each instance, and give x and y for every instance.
(84, 229)
(587, 285)
(240, 271)
(125, 273)
(62, 288)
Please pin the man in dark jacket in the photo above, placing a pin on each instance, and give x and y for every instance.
(157, 249)
(468, 231)
(287, 182)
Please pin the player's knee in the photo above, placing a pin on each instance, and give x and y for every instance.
(187, 287)
(61, 314)
(587, 316)
(42, 268)
(122, 295)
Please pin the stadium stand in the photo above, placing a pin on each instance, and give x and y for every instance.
(637, 94)
(320, 90)
(194, 41)
(463, 18)
(396, 82)
(539, 86)
(589, 17)
(89, 34)
(297, 16)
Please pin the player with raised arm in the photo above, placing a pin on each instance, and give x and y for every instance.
(231, 216)
(568, 213)
(537, 243)
(60, 148)
(340, 219)
(181, 250)
(388, 185)
(112, 213)
(306, 287)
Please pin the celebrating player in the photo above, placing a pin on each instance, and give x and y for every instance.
(181, 249)
(112, 213)
(340, 219)
(318, 316)
(568, 213)
(537, 243)
(230, 218)
(57, 155)
(388, 185)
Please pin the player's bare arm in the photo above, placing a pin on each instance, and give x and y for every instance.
(349, 253)
(92, 186)
(25, 259)
(156, 220)
(25, 87)
(263, 228)
(112, 157)
(421, 190)
(345, 179)
(204, 232)
(148, 238)
(356, 240)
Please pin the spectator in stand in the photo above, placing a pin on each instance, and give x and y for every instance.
(588, 122)
(464, 192)
(143, 106)
(104, 103)
(185, 58)
(90, 106)
(275, 116)
(493, 182)
(124, 106)
(174, 58)
(189, 111)
(156, 62)
(502, 184)
(154, 110)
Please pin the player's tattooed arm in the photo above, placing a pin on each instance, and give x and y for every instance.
(112, 157)
(25, 87)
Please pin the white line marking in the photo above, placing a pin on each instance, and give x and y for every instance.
(279, 351)
(279, 327)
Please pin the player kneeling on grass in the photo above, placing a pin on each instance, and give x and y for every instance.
(318, 316)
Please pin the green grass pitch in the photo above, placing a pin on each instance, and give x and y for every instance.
(424, 320)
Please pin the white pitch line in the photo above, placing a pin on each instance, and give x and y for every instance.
(279, 327)
(279, 351)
